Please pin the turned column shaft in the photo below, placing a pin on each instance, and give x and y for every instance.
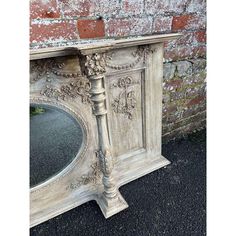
(104, 152)
(94, 67)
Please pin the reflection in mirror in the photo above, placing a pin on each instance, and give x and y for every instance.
(55, 139)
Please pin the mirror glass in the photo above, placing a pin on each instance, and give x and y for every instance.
(55, 140)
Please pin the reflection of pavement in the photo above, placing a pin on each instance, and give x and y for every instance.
(55, 139)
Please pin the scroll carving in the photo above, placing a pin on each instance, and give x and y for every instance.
(126, 102)
(75, 88)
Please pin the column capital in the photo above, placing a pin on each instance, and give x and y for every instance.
(94, 64)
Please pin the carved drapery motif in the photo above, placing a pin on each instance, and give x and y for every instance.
(137, 55)
(141, 53)
(126, 102)
(44, 69)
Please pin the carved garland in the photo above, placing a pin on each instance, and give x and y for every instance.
(140, 53)
(47, 66)
(124, 66)
(78, 86)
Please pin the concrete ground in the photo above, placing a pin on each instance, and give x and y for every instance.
(167, 202)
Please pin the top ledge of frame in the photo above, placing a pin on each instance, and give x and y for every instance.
(102, 45)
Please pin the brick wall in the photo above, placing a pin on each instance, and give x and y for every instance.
(65, 22)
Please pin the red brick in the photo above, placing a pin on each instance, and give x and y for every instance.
(91, 28)
(199, 51)
(175, 83)
(44, 9)
(165, 6)
(166, 44)
(132, 7)
(193, 110)
(128, 26)
(184, 52)
(107, 8)
(196, 6)
(77, 8)
(162, 24)
(188, 22)
(188, 38)
(52, 31)
(181, 22)
(196, 100)
(171, 108)
(201, 36)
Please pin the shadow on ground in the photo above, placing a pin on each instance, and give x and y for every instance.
(170, 201)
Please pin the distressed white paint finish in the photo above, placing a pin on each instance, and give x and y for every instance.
(127, 122)
(114, 90)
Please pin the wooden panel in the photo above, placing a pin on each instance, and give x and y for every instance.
(125, 111)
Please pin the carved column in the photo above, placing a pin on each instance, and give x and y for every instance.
(93, 65)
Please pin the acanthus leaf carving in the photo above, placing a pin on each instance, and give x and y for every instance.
(105, 160)
(95, 64)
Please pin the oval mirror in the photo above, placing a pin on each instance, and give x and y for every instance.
(55, 140)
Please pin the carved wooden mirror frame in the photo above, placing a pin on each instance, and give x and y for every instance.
(114, 90)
